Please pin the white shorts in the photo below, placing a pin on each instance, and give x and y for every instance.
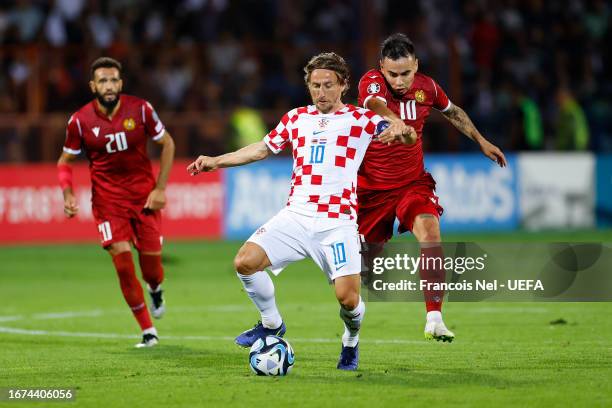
(332, 244)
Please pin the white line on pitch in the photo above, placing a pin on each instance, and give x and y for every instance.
(10, 318)
(67, 315)
(13, 330)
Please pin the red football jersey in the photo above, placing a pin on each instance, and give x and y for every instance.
(117, 149)
(387, 167)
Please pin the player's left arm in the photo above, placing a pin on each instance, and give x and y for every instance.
(462, 122)
(157, 197)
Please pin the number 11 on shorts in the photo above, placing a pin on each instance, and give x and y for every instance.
(339, 253)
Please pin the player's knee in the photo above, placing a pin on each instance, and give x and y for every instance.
(246, 263)
(118, 247)
(428, 230)
(431, 236)
(348, 299)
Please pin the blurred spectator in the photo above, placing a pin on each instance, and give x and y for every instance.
(527, 129)
(248, 127)
(214, 57)
(572, 127)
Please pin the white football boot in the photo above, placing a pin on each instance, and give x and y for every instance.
(435, 329)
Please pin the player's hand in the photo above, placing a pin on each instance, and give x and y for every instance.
(202, 164)
(494, 153)
(70, 205)
(156, 200)
(398, 131)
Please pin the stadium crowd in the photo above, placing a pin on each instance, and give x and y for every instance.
(532, 74)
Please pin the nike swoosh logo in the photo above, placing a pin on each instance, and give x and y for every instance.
(340, 267)
(317, 132)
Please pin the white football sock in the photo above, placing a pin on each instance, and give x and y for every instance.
(352, 323)
(260, 289)
(434, 316)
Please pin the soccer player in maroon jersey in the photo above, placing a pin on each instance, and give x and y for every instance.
(126, 199)
(393, 181)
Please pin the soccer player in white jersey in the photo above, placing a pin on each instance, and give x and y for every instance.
(328, 140)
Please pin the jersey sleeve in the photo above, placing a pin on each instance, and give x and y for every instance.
(441, 101)
(153, 125)
(372, 85)
(279, 137)
(74, 136)
(374, 124)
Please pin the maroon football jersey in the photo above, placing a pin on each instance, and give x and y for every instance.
(387, 167)
(116, 148)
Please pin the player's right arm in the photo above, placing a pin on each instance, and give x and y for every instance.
(248, 154)
(72, 148)
(64, 174)
(373, 93)
(398, 130)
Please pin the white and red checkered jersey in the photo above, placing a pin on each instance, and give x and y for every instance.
(327, 152)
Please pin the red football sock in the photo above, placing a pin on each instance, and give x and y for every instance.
(132, 291)
(152, 270)
(433, 271)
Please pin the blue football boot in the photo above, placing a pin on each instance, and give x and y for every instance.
(247, 338)
(349, 358)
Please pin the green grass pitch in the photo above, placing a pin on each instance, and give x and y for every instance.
(54, 299)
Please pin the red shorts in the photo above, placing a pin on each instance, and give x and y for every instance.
(378, 208)
(129, 223)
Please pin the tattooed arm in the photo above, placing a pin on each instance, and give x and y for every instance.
(462, 122)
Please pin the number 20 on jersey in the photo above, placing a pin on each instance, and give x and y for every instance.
(117, 142)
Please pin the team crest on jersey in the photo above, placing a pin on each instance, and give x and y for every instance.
(129, 124)
(323, 122)
(373, 88)
(419, 96)
(95, 131)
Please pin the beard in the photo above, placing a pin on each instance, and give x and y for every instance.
(108, 104)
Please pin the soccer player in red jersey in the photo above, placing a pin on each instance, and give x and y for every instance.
(393, 181)
(126, 199)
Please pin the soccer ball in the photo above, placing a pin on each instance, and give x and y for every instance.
(271, 356)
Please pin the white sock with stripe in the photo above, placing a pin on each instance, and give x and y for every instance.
(260, 289)
(352, 323)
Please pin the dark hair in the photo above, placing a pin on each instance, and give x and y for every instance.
(397, 46)
(104, 62)
(331, 61)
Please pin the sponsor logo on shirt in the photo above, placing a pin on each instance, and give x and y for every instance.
(373, 88)
(129, 124)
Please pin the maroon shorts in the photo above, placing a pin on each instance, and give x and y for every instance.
(117, 223)
(379, 208)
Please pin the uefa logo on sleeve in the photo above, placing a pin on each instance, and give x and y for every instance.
(373, 88)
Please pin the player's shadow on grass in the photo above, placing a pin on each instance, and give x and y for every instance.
(178, 355)
(422, 379)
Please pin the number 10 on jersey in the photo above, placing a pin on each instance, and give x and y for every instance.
(317, 152)
(408, 110)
